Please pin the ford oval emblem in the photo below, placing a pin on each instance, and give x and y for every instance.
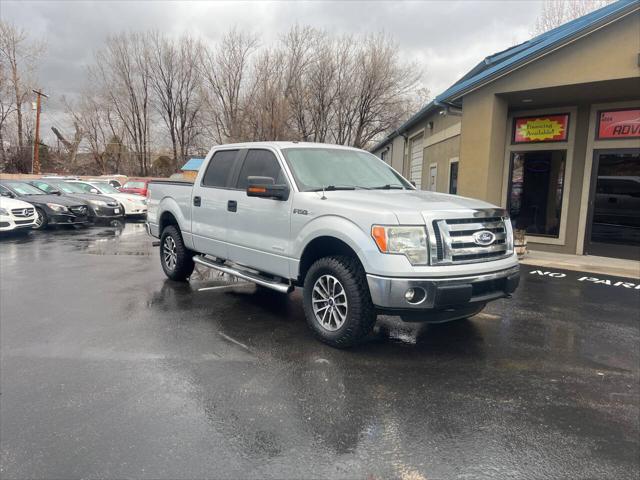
(484, 238)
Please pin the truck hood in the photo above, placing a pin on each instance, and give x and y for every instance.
(402, 202)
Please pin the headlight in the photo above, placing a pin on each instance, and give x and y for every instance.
(410, 241)
(98, 203)
(57, 208)
(4, 211)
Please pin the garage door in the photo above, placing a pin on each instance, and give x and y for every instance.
(415, 174)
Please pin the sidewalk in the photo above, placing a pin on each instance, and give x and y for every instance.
(584, 263)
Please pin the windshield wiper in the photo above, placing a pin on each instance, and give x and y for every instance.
(332, 188)
(388, 186)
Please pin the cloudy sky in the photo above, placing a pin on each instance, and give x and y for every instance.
(446, 37)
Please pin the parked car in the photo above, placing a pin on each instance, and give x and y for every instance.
(16, 214)
(342, 224)
(50, 209)
(138, 187)
(101, 207)
(113, 180)
(134, 205)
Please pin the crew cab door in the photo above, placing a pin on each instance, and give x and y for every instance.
(209, 215)
(258, 228)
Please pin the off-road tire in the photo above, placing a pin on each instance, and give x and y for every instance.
(45, 220)
(360, 314)
(183, 268)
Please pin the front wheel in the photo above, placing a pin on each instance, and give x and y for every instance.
(41, 220)
(175, 258)
(337, 303)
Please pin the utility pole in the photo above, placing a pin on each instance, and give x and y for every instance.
(36, 145)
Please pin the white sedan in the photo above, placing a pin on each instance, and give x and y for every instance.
(134, 205)
(16, 214)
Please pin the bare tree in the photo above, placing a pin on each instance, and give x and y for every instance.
(101, 131)
(557, 12)
(374, 89)
(176, 82)
(18, 55)
(123, 72)
(267, 110)
(7, 107)
(70, 145)
(225, 70)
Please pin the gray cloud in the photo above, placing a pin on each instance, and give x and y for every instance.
(446, 38)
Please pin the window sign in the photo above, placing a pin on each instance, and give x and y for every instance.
(619, 124)
(541, 128)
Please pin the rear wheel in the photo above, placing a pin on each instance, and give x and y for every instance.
(337, 303)
(41, 220)
(175, 258)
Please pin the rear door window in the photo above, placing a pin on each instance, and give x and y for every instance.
(260, 163)
(219, 168)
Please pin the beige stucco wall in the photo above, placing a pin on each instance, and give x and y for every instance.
(440, 153)
(607, 54)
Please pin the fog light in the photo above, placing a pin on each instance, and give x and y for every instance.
(415, 295)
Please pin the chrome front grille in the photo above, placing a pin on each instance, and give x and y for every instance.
(23, 212)
(471, 240)
(79, 210)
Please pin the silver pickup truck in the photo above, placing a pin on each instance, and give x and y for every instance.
(342, 224)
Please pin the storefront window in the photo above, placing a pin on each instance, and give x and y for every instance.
(535, 193)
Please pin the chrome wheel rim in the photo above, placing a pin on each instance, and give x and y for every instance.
(39, 219)
(170, 253)
(329, 302)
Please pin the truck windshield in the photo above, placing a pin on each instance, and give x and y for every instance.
(335, 168)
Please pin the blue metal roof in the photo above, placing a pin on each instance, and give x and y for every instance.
(502, 62)
(193, 165)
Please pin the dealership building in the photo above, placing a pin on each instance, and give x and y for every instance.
(549, 129)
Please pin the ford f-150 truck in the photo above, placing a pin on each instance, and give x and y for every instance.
(342, 224)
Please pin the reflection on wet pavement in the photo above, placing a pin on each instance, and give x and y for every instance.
(110, 370)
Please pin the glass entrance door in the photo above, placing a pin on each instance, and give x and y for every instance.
(614, 229)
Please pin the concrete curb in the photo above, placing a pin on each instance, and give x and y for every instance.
(584, 263)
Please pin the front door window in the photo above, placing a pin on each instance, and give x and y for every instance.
(536, 189)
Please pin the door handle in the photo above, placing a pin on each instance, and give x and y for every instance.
(197, 201)
(232, 206)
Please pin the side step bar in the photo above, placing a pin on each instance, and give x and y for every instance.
(251, 277)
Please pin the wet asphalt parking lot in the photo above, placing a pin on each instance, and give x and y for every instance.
(109, 370)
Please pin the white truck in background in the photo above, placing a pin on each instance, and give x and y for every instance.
(342, 224)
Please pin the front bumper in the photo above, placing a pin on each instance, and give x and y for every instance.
(388, 293)
(108, 212)
(136, 211)
(68, 219)
(8, 223)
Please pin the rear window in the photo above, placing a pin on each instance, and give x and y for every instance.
(219, 168)
(135, 185)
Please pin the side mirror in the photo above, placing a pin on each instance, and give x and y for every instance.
(6, 194)
(94, 190)
(264, 187)
(413, 183)
(55, 192)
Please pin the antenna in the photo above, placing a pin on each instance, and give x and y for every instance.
(323, 196)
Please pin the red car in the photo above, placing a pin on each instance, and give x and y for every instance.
(138, 187)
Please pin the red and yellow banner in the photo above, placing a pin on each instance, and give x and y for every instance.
(619, 124)
(541, 128)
